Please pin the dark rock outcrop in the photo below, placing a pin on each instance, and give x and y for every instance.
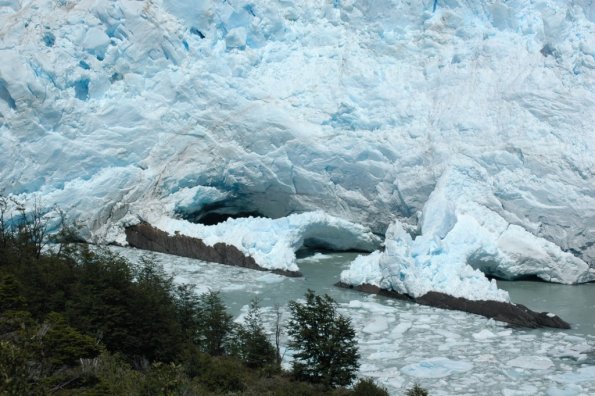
(513, 314)
(144, 236)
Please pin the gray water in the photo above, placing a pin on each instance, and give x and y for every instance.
(573, 303)
(320, 273)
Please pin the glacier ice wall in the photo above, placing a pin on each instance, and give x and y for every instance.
(112, 109)
(462, 238)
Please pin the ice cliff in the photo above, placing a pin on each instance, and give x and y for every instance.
(374, 111)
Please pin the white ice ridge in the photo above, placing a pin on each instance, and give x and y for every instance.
(461, 234)
(273, 242)
(113, 108)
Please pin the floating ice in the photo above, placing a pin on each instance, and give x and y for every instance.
(417, 334)
(531, 362)
(582, 374)
(484, 335)
(438, 367)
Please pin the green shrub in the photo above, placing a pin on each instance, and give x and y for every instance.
(165, 380)
(367, 387)
(63, 345)
(224, 375)
(14, 373)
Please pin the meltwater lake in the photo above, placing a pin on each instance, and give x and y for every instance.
(448, 352)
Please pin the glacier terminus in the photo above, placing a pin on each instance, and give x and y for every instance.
(450, 138)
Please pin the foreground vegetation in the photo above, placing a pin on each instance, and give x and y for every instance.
(76, 321)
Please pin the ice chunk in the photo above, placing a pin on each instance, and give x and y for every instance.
(438, 367)
(463, 232)
(377, 325)
(485, 334)
(582, 374)
(531, 362)
(236, 38)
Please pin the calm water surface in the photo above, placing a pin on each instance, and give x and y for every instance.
(573, 303)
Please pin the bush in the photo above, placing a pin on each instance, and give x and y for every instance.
(367, 387)
(14, 373)
(165, 379)
(417, 390)
(64, 346)
(224, 375)
(324, 340)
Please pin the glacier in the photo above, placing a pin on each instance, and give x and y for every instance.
(466, 125)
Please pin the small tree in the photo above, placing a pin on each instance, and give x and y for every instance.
(324, 340)
(214, 324)
(278, 332)
(252, 345)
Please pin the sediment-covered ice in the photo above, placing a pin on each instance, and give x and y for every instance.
(273, 242)
(113, 108)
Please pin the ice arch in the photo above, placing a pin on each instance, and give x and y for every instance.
(272, 243)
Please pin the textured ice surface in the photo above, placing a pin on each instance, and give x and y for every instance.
(273, 243)
(437, 367)
(361, 108)
(460, 235)
(401, 336)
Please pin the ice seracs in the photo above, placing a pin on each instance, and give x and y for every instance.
(461, 233)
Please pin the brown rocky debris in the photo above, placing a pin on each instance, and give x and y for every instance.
(514, 314)
(144, 236)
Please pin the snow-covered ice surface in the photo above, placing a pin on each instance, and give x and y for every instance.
(119, 110)
(448, 352)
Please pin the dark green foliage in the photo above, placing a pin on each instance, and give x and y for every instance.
(14, 373)
(223, 374)
(11, 295)
(87, 322)
(215, 324)
(325, 341)
(115, 376)
(188, 311)
(417, 390)
(251, 343)
(367, 387)
(64, 346)
(164, 380)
